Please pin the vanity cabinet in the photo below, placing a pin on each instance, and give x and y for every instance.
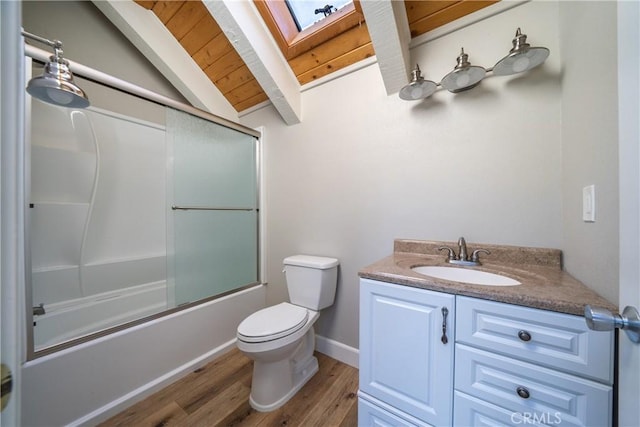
(406, 355)
(513, 365)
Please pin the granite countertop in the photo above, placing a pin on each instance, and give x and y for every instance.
(544, 284)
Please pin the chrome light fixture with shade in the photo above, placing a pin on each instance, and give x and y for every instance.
(56, 85)
(418, 88)
(522, 57)
(464, 76)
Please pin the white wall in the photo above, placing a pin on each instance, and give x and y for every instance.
(364, 168)
(590, 141)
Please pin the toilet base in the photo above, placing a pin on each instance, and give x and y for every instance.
(299, 379)
(276, 377)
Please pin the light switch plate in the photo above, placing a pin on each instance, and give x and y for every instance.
(589, 203)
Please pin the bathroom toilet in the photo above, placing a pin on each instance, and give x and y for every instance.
(280, 339)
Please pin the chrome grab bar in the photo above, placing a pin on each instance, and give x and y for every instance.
(204, 208)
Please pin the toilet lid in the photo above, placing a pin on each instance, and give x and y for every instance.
(272, 323)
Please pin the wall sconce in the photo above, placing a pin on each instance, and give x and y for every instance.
(464, 76)
(522, 57)
(418, 88)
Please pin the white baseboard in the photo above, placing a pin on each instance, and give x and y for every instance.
(115, 407)
(337, 350)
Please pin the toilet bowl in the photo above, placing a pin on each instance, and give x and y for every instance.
(280, 339)
(283, 360)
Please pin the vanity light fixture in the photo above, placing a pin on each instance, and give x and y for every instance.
(56, 85)
(418, 88)
(464, 76)
(522, 57)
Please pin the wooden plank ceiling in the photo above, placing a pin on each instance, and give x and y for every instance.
(195, 29)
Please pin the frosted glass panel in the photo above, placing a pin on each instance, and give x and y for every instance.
(216, 244)
(214, 166)
(215, 252)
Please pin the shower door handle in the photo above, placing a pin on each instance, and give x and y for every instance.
(205, 208)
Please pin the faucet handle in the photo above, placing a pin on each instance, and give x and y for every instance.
(452, 253)
(475, 257)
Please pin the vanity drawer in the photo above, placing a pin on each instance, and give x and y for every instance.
(377, 413)
(532, 391)
(556, 340)
(471, 411)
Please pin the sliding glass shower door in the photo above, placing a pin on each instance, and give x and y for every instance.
(214, 209)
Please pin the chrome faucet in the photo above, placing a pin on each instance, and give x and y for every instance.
(463, 258)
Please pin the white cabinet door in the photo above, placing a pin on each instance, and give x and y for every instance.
(404, 360)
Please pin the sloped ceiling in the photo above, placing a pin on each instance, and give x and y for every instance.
(232, 48)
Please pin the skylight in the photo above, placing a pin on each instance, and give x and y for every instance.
(307, 12)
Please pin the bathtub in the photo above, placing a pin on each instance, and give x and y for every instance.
(88, 383)
(74, 318)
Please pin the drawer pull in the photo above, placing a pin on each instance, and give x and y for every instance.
(523, 392)
(524, 336)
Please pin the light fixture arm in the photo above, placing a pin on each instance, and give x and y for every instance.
(56, 44)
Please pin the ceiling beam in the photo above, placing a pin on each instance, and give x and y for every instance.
(243, 26)
(389, 29)
(145, 31)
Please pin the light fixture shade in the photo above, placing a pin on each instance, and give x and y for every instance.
(418, 88)
(464, 76)
(522, 57)
(56, 85)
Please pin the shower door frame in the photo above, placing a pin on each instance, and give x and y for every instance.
(41, 56)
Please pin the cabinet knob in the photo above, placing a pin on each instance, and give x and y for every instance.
(524, 336)
(523, 392)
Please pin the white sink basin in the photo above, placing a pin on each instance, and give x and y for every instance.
(465, 275)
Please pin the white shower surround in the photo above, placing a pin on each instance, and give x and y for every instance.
(98, 221)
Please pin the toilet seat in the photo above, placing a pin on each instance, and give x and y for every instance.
(272, 323)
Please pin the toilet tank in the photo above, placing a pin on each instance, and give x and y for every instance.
(311, 280)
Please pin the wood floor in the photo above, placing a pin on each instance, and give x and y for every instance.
(218, 395)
